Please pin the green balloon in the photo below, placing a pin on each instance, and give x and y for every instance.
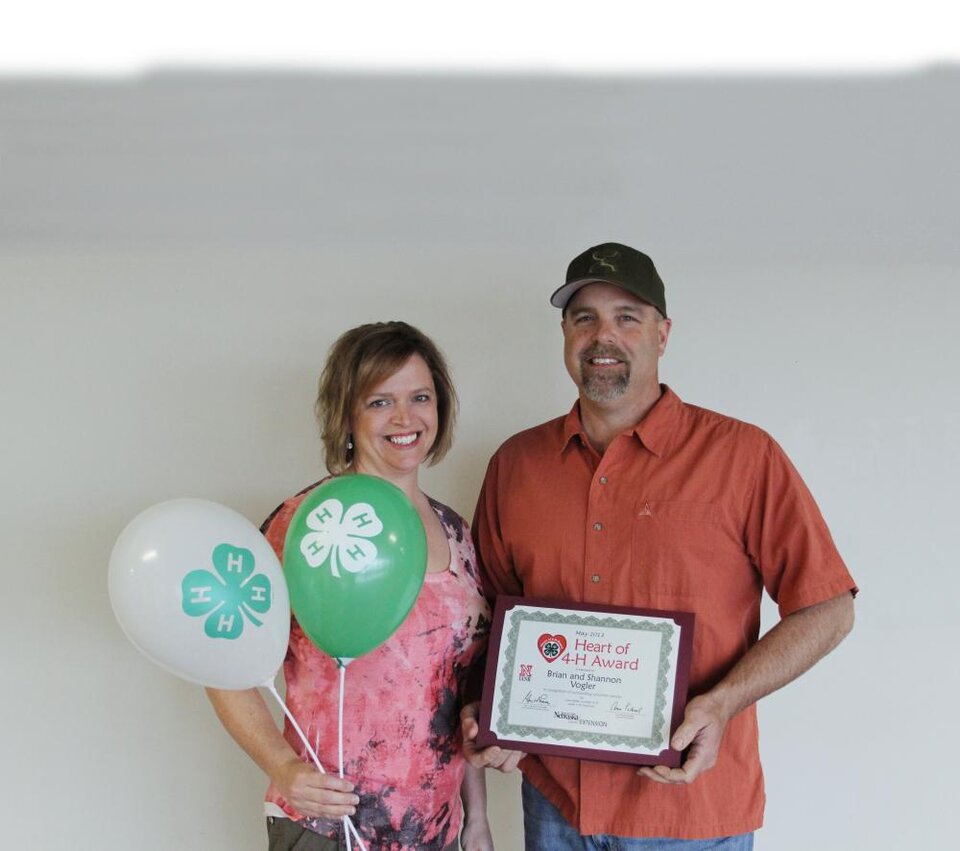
(354, 558)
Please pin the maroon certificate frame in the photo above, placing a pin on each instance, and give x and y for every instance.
(602, 683)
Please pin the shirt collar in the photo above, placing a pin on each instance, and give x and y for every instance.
(660, 423)
(653, 431)
(573, 428)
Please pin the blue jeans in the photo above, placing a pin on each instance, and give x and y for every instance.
(544, 829)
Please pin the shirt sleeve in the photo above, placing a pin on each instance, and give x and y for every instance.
(496, 568)
(275, 527)
(787, 538)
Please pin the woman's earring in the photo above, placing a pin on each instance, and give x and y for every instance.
(349, 443)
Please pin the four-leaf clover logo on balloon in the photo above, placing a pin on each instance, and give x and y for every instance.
(341, 536)
(226, 598)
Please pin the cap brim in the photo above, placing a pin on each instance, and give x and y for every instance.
(567, 291)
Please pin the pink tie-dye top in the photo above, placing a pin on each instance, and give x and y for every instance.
(401, 705)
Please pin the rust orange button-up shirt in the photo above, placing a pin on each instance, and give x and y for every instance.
(689, 510)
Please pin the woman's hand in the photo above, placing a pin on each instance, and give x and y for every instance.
(247, 720)
(315, 794)
(475, 835)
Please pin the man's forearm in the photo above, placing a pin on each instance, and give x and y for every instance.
(783, 654)
(791, 647)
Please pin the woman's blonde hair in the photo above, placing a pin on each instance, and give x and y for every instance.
(359, 360)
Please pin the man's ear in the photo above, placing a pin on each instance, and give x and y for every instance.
(663, 333)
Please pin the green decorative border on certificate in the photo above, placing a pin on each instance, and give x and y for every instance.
(652, 743)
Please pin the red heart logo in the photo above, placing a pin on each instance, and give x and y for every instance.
(551, 646)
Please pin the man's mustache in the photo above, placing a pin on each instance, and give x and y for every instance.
(598, 351)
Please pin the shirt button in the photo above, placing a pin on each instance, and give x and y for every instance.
(595, 577)
(603, 480)
(598, 526)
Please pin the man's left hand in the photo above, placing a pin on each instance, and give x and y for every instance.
(801, 639)
(492, 757)
(701, 731)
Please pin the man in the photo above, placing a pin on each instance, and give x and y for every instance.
(635, 498)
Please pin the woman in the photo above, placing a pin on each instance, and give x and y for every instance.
(385, 406)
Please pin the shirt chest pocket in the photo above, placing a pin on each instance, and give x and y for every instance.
(674, 548)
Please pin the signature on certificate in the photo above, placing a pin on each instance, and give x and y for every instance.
(536, 698)
(624, 707)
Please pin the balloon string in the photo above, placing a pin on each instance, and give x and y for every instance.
(293, 721)
(343, 674)
(271, 687)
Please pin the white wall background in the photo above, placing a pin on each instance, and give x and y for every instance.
(177, 252)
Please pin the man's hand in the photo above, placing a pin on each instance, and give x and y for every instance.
(702, 731)
(492, 757)
(798, 641)
(315, 794)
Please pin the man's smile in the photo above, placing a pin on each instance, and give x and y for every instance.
(602, 356)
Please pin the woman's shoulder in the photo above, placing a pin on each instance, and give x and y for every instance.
(464, 556)
(455, 525)
(277, 521)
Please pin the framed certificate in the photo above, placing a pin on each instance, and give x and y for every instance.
(593, 682)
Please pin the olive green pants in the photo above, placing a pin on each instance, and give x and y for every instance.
(286, 835)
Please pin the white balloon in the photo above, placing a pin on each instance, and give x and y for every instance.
(199, 591)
